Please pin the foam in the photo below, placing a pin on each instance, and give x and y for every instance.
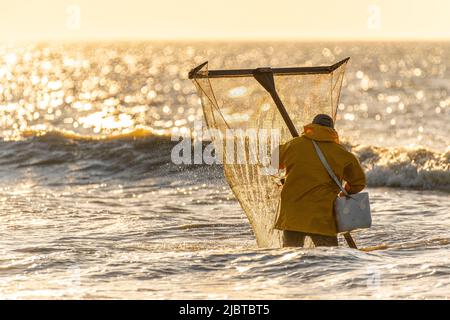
(405, 167)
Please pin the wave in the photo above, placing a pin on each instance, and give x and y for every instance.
(141, 154)
(405, 167)
(57, 153)
(55, 134)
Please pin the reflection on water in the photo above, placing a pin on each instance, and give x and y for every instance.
(400, 89)
(141, 241)
(91, 207)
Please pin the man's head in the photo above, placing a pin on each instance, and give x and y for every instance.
(323, 120)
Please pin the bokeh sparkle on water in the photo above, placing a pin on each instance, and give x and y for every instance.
(92, 207)
(393, 94)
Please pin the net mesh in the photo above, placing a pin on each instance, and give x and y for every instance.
(242, 103)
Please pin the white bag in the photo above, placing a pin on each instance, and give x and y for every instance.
(352, 210)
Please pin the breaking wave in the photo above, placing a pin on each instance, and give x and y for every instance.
(404, 167)
(141, 154)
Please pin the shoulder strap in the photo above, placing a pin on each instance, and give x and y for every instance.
(328, 168)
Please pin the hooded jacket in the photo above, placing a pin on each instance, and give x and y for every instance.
(308, 193)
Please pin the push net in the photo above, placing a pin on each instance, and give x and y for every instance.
(234, 101)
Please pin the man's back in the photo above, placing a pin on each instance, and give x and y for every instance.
(308, 193)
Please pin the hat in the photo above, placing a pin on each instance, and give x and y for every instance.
(323, 120)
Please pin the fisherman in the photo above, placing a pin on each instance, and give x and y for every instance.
(308, 194)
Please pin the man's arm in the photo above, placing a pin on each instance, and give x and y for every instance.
(355, 177)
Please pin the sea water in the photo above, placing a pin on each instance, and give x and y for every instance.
(92, 206)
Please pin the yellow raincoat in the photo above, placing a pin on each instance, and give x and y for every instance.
(308, 193)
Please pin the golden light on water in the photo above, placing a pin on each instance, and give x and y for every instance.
(89, 93)
(97, 91)
(89, 170)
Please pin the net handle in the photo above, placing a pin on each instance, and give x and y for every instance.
(265, 78)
